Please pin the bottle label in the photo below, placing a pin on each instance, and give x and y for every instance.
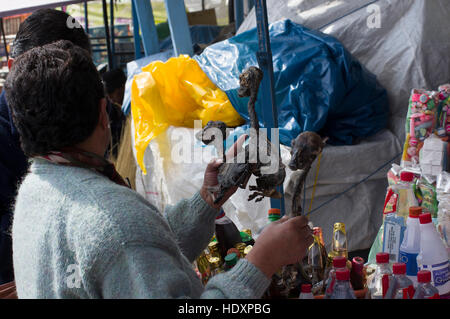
(411, 262)
(440, 273)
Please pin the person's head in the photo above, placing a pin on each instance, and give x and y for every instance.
(57, 100)
(114, 83)
(46, 26)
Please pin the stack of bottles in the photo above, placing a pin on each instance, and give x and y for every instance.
(225, 249)
(392, 282)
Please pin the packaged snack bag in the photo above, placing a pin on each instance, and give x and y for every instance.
(443, 123)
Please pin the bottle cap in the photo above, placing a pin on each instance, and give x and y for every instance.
(415, 211)
(231, 259)
(406, 176)
(399, 268)
(317, 231)
(274, 217)
(245, 237)
(274, 211)
(234, 250)
(424, 276)
(382, 258)
(425, 218)
(339, 262)
(343, 274)
(306, 288)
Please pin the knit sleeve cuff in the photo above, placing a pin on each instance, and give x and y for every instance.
(200, 207)
(253, 280)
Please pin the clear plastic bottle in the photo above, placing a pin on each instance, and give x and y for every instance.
(401, 287)
(410, 247)
(339, 245)
(342, 288)
(433, 255)
(379, 282)
(425, 290)
(315, 262)
(339, 263)
(405, 190)
(305, 292)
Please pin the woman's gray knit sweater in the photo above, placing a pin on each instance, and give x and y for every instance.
(76, 234)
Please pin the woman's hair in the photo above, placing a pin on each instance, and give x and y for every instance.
(54, 93)
(45, 26)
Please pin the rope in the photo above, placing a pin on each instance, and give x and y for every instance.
(315, 184)
(351, 187)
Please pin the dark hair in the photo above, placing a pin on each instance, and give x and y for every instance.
(113, 80)
(54, 92)
(45, 26)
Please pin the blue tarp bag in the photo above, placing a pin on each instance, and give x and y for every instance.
(319, 86)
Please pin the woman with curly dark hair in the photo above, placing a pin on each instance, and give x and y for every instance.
(80, 232)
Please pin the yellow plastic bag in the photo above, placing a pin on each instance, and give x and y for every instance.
(175, 92)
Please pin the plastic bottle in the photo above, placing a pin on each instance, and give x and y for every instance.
(306, 292)
(410, 247)
(401, 287)
(405, 190)
(315, 263)
(379, 282)
(433, 255)
(342, 288)
(425, 290)
(339, 263)
(227, 234)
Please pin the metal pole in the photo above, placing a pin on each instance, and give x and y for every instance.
(108, 43)
(86, 19)
(268, 102)
(113, 45)
(4, 39)
(137, 38)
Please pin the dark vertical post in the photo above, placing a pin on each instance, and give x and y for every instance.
(113, 45)
(108, 42)
(268, 102)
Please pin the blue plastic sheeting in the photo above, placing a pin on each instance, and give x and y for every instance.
(200, 34)
(319, 86)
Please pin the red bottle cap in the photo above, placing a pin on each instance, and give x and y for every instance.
(339, 262)
(343, 274)
(425, 218)
(424, 276)
(274, 211)
(399, 268)
(406, 176)
(306, 288)
(415, 211)
(382, 258)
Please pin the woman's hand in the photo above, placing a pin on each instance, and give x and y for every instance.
(281, 243)
(212, 170)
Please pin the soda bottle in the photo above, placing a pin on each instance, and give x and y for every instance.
(339, 244)
(433, 255)
(315, 263)
(410, 247)
(227, 234)
(339, 263)
(405, 191)
(425, 290)
(215, 266)
(378, 284)
(204, 267)
(305, 292)
(357, 273)
(400, 287)
(342, 288)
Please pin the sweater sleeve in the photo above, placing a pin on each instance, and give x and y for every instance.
(192, 221)
(149, 272)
